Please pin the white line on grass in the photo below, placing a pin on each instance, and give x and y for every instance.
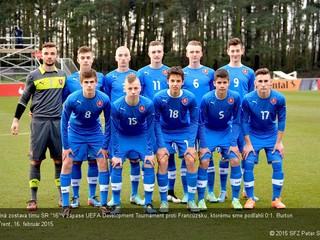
(10, 134)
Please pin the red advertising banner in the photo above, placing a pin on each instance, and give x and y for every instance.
(11, 89)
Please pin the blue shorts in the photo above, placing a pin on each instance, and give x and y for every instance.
(85, 147)
(267, 144)
(220, 139)
(132, 147)
(176, 143)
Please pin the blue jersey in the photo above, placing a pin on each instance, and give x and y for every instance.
(241, 79)
(114, 81)
(155, 79)
(133, 121)
(73, 84)
(85, 117)
(259, 116)
(172, 116)
(199, 81)
(216, 115)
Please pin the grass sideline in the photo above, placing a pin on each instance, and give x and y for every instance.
(300, 191)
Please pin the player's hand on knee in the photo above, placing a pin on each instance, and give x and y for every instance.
(280, 148)
(65, 153)
(116, 162)
(162, 153)
(246, 150)
(104, 152)
(235, 150)
(149, 160)
(203, 151)
(191, 152)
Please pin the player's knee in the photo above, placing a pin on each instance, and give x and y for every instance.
(234, 162)
(248, 165)
(277, 166)
(148, 164)
(204, 163)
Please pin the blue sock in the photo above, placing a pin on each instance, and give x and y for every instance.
(116, 183)
(76, 176)
(148, 184)
(172, 172)
(224, 169)
(104, 178)
(192, 184)
(248, 178)
(202, 182)
(211, 176)
(65, 180)
(134, 177)
(93, 174)
(183, 172)
(277, 179)
(163, 188)
(235, 181)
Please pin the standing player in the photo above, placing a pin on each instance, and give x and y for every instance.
(261, 110)
(45, 86)
(177, 122)
(85, 59)
(132, 118)
(198, 80)
(242, 81)
(218, 108)
(113, 85)
(154, 75)
(81, 132)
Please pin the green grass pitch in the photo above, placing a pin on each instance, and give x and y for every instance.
(300, 191)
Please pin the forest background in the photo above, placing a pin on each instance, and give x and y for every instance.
(278, 34)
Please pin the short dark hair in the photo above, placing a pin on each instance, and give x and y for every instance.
(49, 45)
(88, 73)
(234, 42)
(222, 73)
(84, 49)
(131, 77)
(175, 70)
(262, 71)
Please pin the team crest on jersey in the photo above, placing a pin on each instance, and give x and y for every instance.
(205, 71)
(142, 108)
(231, 100)
(60, 81)
(165, 72)
(273, 101)
(184, 101)
(99, 103)
(245, 71)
